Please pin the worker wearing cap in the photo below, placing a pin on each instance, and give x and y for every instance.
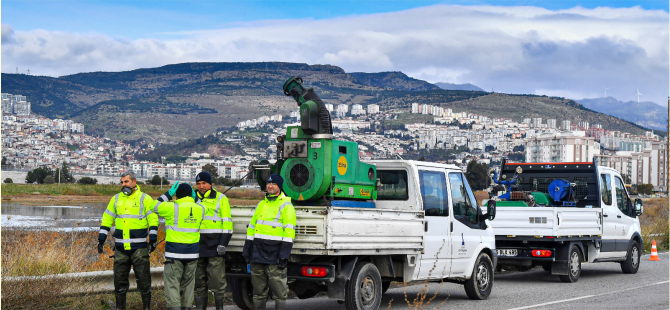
(182, 236)
(269, 242)
(215, 232)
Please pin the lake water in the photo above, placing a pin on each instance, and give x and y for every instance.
(83, 217)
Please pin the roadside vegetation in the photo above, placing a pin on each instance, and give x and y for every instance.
(654, 223)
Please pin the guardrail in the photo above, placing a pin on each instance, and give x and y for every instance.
(100, 281)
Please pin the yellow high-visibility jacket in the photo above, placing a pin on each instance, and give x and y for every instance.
(271, 231)
(131, 215)
(217, 226)
(182, 227)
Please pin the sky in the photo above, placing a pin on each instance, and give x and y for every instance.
(572, 49)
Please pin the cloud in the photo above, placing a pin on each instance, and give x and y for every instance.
(574, 52)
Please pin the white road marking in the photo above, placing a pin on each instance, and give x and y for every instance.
(588, 296)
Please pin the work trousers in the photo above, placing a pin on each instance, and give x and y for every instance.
(264, 277)
(178, 278)
(139, 259)
(210, 275)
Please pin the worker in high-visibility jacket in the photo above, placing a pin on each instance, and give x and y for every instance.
(182, 237)
(215, 233)
(269, 242)
(131, 213)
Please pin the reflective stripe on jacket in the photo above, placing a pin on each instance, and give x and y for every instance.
(182, 227)
(131, 215)
(271, 231)
(217, 226)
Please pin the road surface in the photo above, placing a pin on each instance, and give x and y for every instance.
(601, 286)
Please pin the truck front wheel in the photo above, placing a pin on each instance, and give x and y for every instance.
(364, 290)
(243, 293)
(574, 266)
(480, 284)
(632, 262)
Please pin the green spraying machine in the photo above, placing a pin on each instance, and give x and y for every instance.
(316, 168)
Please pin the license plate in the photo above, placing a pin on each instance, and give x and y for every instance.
(507, 252)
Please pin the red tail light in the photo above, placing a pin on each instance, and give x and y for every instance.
(541, 253)
(314, 272)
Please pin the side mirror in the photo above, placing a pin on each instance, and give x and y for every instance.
(490, 211)
(638, 207)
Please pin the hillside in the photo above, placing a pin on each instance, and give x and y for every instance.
(450, 86)
(646, 114)
(178, 102)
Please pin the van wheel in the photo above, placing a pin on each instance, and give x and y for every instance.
(364, 290)
(574, 266)
(480, 284)
(243, 293)
(632, 262)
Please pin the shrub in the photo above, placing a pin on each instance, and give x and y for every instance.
(9, 180)
(88, 181)
(49, 180)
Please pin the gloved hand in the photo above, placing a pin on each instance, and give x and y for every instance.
(221, 250)
(100, 246)
(246, 258)
(173, 189)
(282, 263)
(152, 246)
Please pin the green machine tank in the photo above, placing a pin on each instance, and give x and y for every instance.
(313, 164)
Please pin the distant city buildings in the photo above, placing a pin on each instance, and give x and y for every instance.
(15, 104)
(561, 147)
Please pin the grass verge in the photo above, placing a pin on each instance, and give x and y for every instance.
(654, 221)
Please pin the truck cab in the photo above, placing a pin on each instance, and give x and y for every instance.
(424, 224)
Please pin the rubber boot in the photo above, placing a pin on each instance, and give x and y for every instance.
(259, 304)
(121, 302)
(218, 302)
(201, 303)
(280, 304)
(146, 302)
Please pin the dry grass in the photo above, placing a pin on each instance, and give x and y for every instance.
(654, 221)
(40, 253)
(424, 298)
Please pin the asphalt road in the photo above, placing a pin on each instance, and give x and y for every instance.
(601, 286)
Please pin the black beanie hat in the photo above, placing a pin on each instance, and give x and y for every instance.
(276, 179)
(204, 176)
(184, 190)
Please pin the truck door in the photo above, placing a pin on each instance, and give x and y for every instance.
(609, 213)
(434, 262)
(464, 226)
(625, 215)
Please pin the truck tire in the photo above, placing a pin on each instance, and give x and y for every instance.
(364, 290)
(632, 262)
(480, 284)
(243, 293)
(574, 266)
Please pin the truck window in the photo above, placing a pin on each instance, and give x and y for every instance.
(392, 185)
(606, 188)
(622, 200)
(434, 193)
(465, 207)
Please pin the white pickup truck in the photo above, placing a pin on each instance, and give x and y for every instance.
(426, 225)
(594, 221)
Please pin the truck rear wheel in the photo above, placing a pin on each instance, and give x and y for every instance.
(480, 284)
(243, 293)
(574, 266)
(364, 290)
(632, 262)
